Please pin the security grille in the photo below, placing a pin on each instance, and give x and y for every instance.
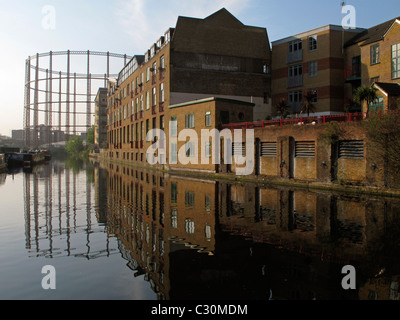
(305, 149)
(268, 149)
(352, 149)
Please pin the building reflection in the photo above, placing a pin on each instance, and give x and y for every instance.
(198, 239)
(59, 214)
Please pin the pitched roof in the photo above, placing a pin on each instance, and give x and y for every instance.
(392, 89)
(220, 34)
(373, 34)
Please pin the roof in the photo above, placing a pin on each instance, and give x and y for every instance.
(373, 34)
(392, 89)
(189, 103)
(315, 31)
(220, 34)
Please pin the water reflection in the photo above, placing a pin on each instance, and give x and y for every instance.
(54, 198)
(198, 239)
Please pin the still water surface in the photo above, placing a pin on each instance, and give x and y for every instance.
(117, 232)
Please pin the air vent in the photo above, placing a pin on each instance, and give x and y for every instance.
(268, 149)
(305, 149)
(352, 149)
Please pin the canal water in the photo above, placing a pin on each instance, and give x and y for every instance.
(117, 232)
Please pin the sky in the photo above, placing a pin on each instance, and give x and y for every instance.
(130, 27)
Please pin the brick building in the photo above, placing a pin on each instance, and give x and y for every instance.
(373, 58)
(310, 61)
(217, 57)
(100, 122)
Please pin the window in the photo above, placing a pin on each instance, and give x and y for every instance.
(174, 126)
(208, 119)
(147, 100)
(208, 149)
(154, 68)
(174, 153)
(154, 97)
(295, 71)
(266, 68)
(315, 92)
(174, 219)
(312, 69)
(148, 74)
(375, 54)
(266, 98)
(295, 100)
(312, 43)
(147, 128)
(189, 148)
(189, 199)
(162, 92)
(374, 79)
(396, 61)
(207, 203)
(189, 121)
(356, 66)
(189, 226)
(296, 45)
(162, 62)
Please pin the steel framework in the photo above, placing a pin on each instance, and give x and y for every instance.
(76, 101)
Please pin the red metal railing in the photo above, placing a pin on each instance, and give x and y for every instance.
(345, 117)
(153, 110)
(161, 107)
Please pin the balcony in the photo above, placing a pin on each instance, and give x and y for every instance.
(352, 74)
(136, 144)
(295, 56)
(162, 73)
(296, 81)
(153, 110)
(141, 144)
(154, 79)
(141, 116)
(161, 107)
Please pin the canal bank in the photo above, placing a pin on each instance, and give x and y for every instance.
(261, 180)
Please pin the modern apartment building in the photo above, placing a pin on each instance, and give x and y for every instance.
(373, 58)
(311, 61)
(217, 58)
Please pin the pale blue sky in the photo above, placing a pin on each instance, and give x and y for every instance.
(132, 26)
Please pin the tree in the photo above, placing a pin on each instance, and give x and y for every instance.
(383, 134)
(308, 102)
(74, 146)
(365, 93)
(90, 136)
(282, 108)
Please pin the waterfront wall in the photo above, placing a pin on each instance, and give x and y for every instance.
(335, 154)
